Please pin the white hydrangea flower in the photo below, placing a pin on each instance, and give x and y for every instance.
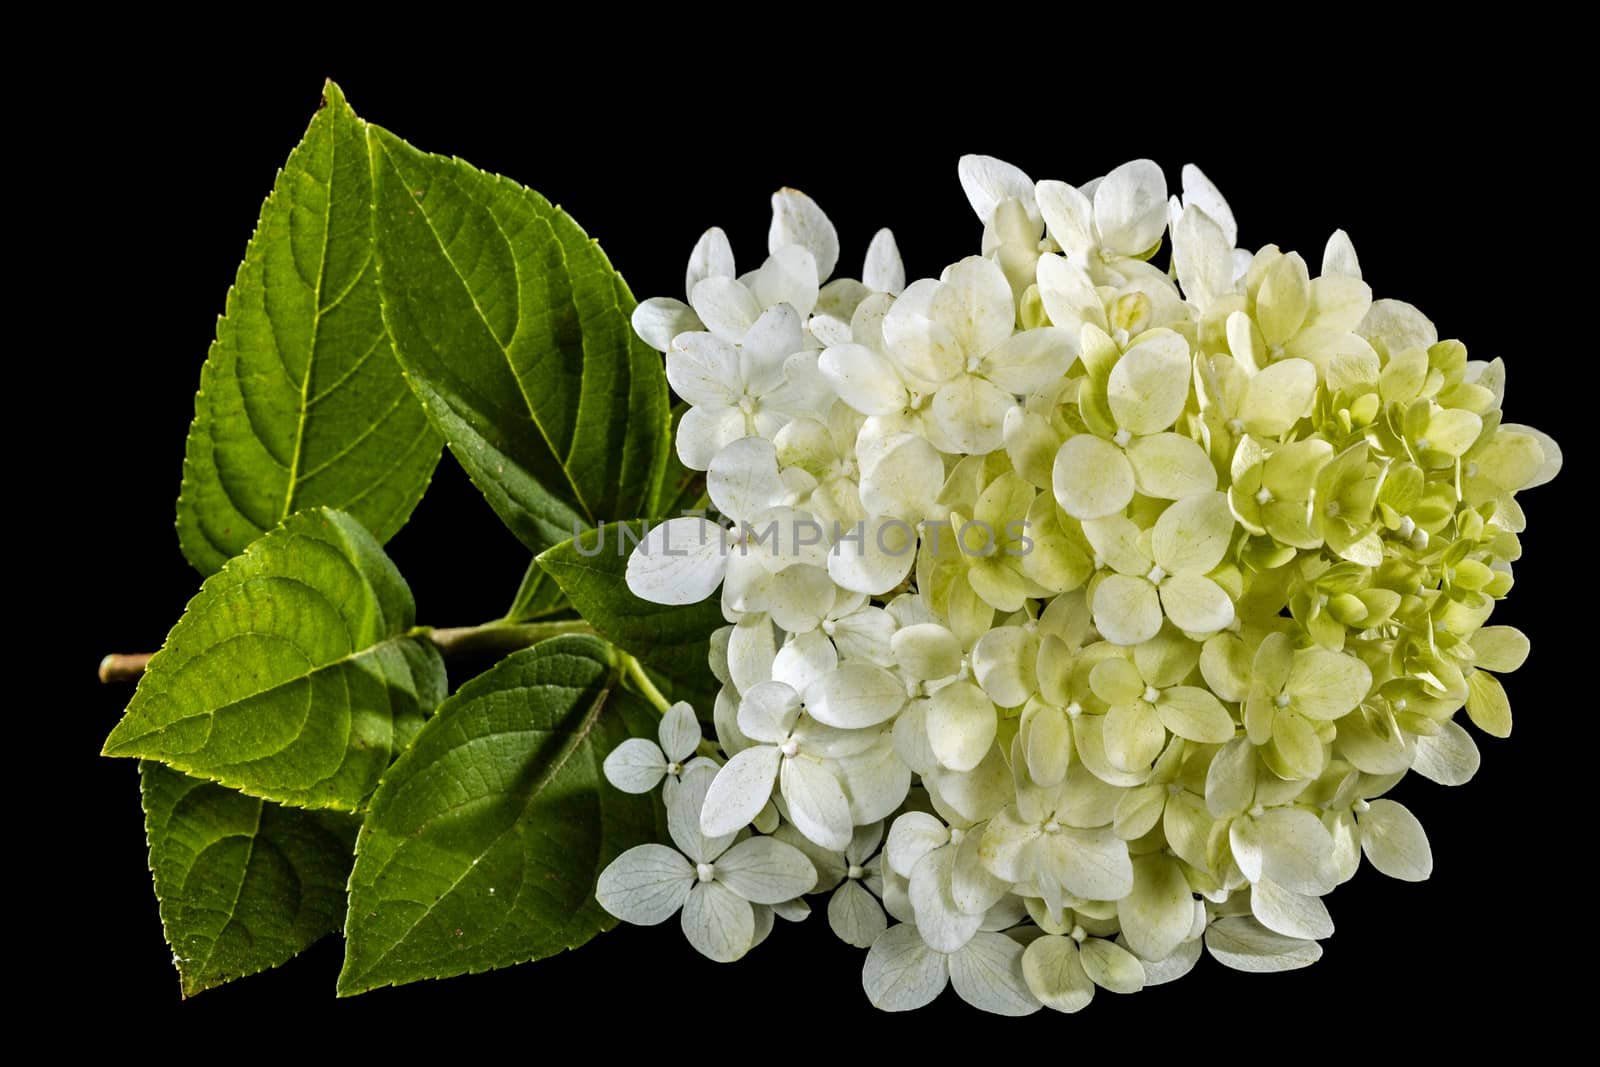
(1130, 592)
(716, 883)
(639, 765)
(902, 972)
(852, 878)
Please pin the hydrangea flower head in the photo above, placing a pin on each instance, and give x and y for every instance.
(1083, 601)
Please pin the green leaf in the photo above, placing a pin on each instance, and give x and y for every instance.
(513, 329)
(243, 884)
(483, 843)
(537, 596)
(301, 402)
(672, 640)
(291, 675)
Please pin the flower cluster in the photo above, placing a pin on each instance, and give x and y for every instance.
(1080, 611)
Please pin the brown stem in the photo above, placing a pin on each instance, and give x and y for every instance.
(491, 638)
(123, 666)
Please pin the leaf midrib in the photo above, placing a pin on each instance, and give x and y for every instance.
(316, 321)
(505, 353)
(348, 657)
(238, 891)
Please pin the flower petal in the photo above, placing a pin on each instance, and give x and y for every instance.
(1201, 192)
(1291, 914)
(884, 271)
(1170, 466)
(685, 802)
(1192, 536)
(974, 303)
(636, 765)
(765, 870)
(1090, 864)
(1196, 605)
(874, 556)
(987, 181)
(718, 922)
(797, 220)
(961, 725)
(1055, 975)
(681, 561)
(1284, 299)
(1149, 385)
(1277, 397)
(712, 258)
(1394, 842)
(855, 915)
(1130, 207)
(912, 836)
(943, 925)
(1110, 966)
(1033, 361)
(1449, 757)
(789, 276)
(744, 478)
(645, 885)
(987, 974)
(901, 972)
(1128, 611)
(679, 732)
(703, 369)
(740, 791)
(1091, 477)
(1244, 944)
(1326, 685)
(971, 413)
(855, 696)
(817, 805)
(863, 379)
(705, 431)
(1157, 914)
(660, 319)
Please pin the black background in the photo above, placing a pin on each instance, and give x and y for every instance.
(1462, 195)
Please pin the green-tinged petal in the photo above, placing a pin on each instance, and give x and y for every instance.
(961, 725)
(1192, 536)
(1194, 604)
(1487, 704)
(1170, 466)
(1128, 611)
(1231, 779)
(902, 973)
(1149, 385)
(1277, 397)
(1195, 714)
(1296, 750)
(1055, 974)
(1284, 299)
(1133, 735)
(1157, 915)
(1326, 685)
(1283, 911)
(1110, 966)
(1116, 681)
(1500, 648)
(1449, 757)
(1091, 478)
(1245, 945)
(1394, 842)
(1225, 666)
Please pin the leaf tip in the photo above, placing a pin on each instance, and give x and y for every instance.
(332, 94)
